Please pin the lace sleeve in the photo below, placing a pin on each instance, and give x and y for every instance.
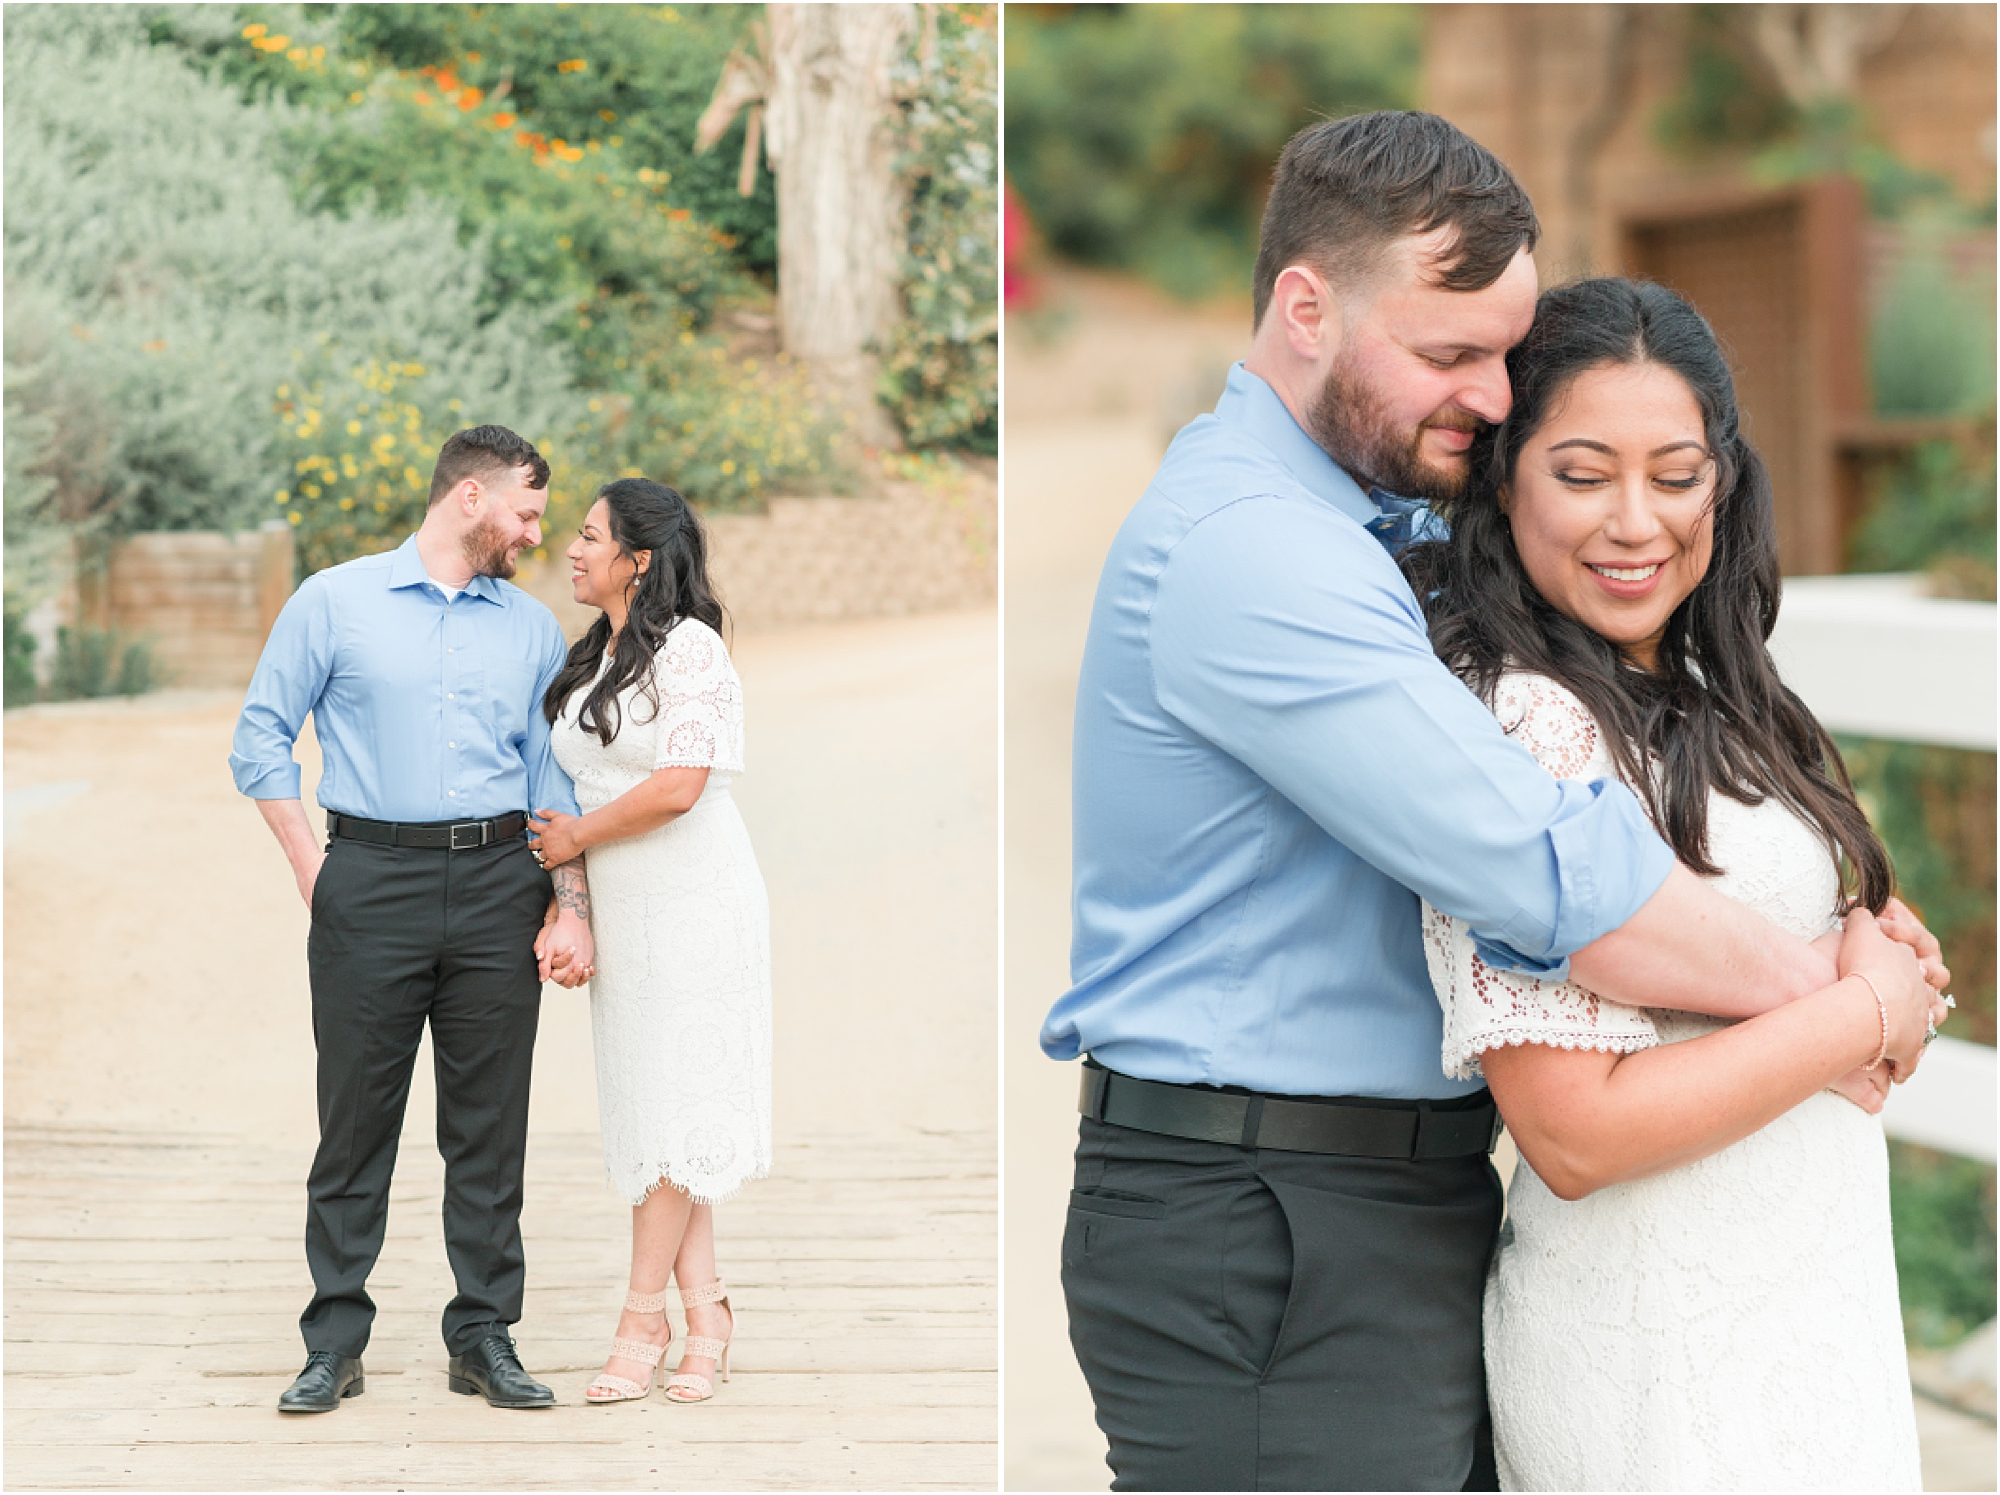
(1485, 1007)
(701, 701)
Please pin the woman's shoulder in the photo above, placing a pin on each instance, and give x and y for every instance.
(692, 648)
(1549, 720)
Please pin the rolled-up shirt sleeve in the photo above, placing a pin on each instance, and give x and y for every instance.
(549, 787)
(1323, 683)
(291, 673)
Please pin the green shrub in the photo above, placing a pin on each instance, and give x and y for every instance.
(1936, 509)
(1930, 345)
(94, 662)
(1933, 807)
(18, 654)
(940, 370)
(1143, 137)
(1941, 1208)
(155, 245)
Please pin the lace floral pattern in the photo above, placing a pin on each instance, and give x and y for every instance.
(1732, 1324)
(680, 1006)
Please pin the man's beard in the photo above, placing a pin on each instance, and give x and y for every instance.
(1349, 424)
(488, 550)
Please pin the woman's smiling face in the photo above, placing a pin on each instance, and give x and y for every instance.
(599, 571)
(1610, 503)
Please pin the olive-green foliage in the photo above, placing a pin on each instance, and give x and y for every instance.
(1933, 807)
(162, 283)
(1727, 99)
(17, 652)
(1941, 1209)
(93, 662)
(1930, 343)
(940, 371)
(1937, 508)
(1142, 137)
(1931, 352)
(652, 68)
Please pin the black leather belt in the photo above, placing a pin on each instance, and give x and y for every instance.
(465, 835)
(1411, 1130)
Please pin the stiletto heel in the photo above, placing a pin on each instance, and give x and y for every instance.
(702, 1346)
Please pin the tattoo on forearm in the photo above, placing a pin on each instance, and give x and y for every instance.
(572, 891)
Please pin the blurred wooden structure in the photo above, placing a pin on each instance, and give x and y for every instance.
(203, 602)
(1778, 275)
(1570, 96)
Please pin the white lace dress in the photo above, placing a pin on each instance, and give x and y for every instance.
(1729, 1325)
(680, 1007)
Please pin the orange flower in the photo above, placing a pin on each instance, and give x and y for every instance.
(469, 99)
(447, 81)
(421, 97)
(680, 215)
(574, 65)
(503, 119)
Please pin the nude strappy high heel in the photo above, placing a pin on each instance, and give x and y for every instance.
(699, 1387)
(633, 1349)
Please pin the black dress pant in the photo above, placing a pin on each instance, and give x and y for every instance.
(402, 936)
(1269, 1320)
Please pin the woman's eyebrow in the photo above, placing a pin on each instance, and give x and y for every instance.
(1658, 451)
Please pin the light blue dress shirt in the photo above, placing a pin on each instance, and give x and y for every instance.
(1270, 766)
(425, 709)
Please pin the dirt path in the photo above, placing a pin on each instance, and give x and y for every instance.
(159, 1104)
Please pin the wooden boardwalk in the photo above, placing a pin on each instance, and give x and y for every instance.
(160, 1121)
(154, 1283)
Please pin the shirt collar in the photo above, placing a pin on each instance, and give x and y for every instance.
(1251, 404)
(407, 570)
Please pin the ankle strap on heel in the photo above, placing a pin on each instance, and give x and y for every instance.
(646, 1302)
(694, 1297)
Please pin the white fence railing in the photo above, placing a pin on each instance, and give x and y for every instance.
(1874, 656)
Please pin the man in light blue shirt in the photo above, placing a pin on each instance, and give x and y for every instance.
(1283, 1209)
(424, 672)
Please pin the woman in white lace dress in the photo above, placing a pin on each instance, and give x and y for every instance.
(647, 718)
(1695, 1288)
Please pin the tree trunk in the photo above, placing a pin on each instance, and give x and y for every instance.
(829, 135)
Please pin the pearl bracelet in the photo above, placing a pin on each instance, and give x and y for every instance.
(1882, 1008)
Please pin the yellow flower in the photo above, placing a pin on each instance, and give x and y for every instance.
(411, 476)
(728, 466)
(282, 497)
(414, 370)
(311, 490)
(595, 406)
(295, 516)
(255, 30)
(354, 428)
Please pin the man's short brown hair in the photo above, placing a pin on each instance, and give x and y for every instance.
(1347, 189)
(485, 453)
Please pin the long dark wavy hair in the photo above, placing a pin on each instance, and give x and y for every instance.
(1713, 714)
(644, 516)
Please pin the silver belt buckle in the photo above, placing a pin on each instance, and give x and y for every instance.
(468, 825)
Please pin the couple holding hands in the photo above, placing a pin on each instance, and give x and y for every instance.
(504, 808)
(1431, 770)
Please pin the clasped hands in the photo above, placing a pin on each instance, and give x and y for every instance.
(564, 952)
(1904, 961)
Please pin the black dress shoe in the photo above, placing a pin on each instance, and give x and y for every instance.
(491, 1369)
(321, 1386)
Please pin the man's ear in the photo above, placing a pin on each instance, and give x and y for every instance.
(1308, 312)
(470, 497)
